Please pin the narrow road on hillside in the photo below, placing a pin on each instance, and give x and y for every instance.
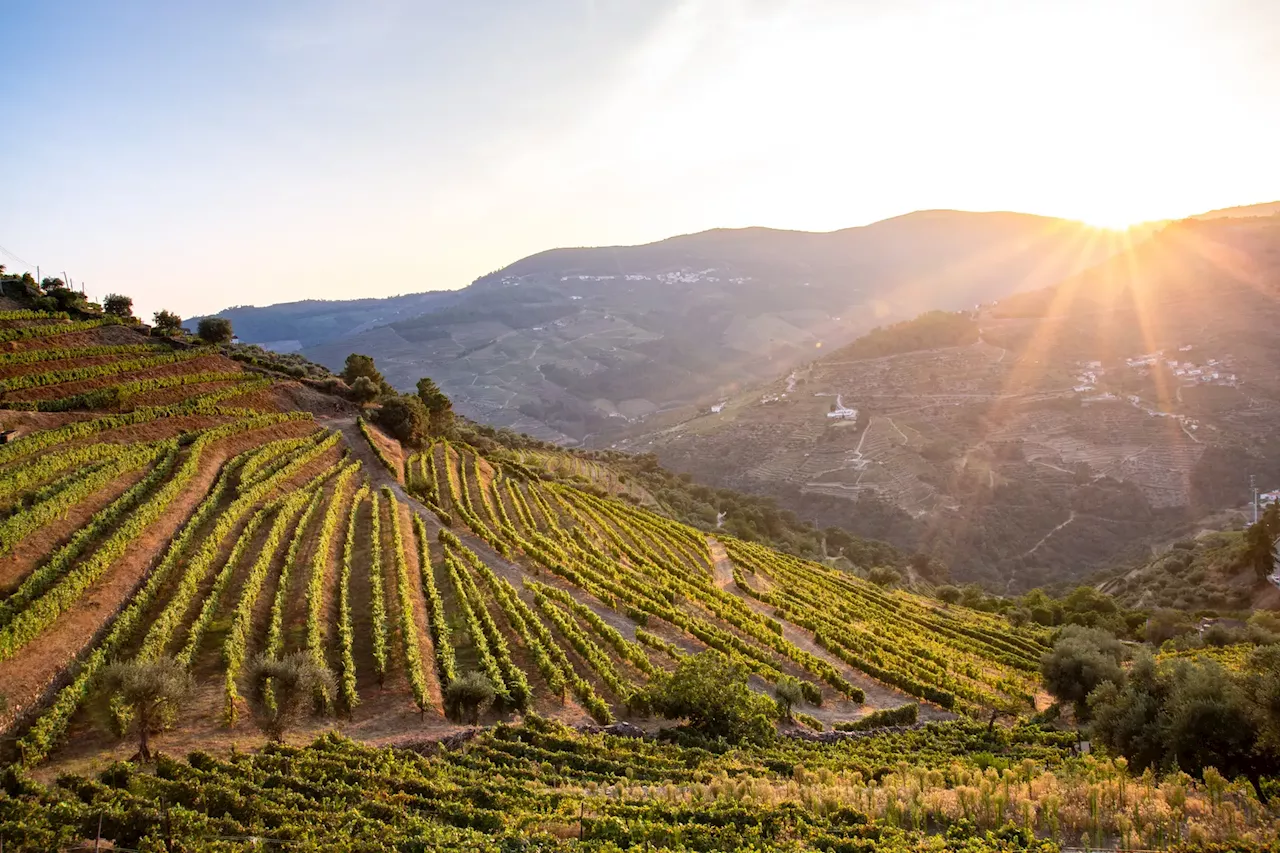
(878, 695)
(720, 562)
(1045, 538)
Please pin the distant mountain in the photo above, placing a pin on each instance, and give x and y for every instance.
(1270, 208)
(578, 344)
(1048, 435)
(290, 326)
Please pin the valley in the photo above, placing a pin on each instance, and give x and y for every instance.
(446, 638)
(1128, 402)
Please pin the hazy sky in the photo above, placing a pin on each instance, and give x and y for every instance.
(198, 156)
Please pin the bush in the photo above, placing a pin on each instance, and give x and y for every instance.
(903, 715)
(711, 692)
(145, 694)
(166, 322)
(118, 305)
(403, 418)
(282, 691)
(884, 576)
(787, 692)
(1193, 714)
(364, 390)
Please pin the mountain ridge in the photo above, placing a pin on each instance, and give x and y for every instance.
(572, 344)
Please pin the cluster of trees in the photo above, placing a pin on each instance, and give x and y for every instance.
(1084, 606)
(409, 418)
(930, 330)
(1182, 713)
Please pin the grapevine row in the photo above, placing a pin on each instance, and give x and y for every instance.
(441, 636)
(346, 634)
(92, 371)
(408, 626)
(236, 645)
(49, 728)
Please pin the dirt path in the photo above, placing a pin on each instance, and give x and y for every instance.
(720, 562)
(1045, 538)
(878, 695)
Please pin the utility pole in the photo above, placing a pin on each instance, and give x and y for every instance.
(1253, 488)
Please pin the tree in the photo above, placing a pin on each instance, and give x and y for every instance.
(787, 692)
(404, 418)
(947, 593)
(439, 407)
(149, 692)
(711, 692)
(358, 365)
(1194, 715)
(1126, 717)
(118, 305)
(283, 690)
(467, 696)
(167, 322)
(1260, 542)
(215, 330)
(1080, 661)
(49, 285)
(364, 390)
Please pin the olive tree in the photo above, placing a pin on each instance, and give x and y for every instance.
(282, 691)
(146, 695)
(467, 696)
(215, 330)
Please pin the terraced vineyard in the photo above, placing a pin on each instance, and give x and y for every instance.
(217, 523)
(543, 786)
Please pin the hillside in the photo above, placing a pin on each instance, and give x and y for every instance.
(1041, 438)
(573, 343)
(164, 508)
(1208, 572)
(196, 512)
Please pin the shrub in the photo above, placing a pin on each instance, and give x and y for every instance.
(903, 715)
(166, 322)
(947, 593)
(711, 692)
(364, 390)
(787, 692)
(467, 696)
(148, 693)
(283, 690)
(404, 418)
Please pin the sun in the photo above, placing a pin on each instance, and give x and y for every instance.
(1115, 217)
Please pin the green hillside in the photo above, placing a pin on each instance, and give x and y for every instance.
(200, 555)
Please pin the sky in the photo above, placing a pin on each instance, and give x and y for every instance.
(198, 156)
